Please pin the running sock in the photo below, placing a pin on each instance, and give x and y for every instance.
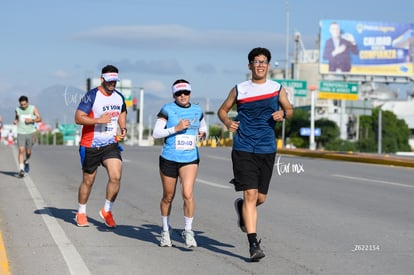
(82, 208)
(21, 166)
(252, 237)
(108, 205)
(165, 223)
(188, 223)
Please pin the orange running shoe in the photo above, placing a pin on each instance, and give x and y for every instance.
(81, 219)
(107, 216)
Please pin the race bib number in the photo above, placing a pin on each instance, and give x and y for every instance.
(185, 142)
(109, 129)
(23, 118)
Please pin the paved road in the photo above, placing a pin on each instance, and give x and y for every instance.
(321, 217)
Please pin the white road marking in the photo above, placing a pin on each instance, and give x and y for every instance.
(213, 184)
(375, 181)
(72, 257)
(216, 157)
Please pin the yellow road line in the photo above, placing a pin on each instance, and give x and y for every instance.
(4, 263)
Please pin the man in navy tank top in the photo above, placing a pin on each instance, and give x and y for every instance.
(260, 103)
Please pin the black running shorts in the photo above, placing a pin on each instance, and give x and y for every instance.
(91, 158)
(252, 171)
(170, 168)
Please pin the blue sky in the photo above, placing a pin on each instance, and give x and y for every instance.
(155, 42)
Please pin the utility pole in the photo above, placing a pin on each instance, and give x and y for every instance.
(380, 130)
(287, 41)
(312, 145)
(286, 65)
(141, 114)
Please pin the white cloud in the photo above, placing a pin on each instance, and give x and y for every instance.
(155, 86)
(205, 68)
(61, 74)
(177, 37)
(161, 66)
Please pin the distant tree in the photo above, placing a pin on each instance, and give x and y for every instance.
(301, 119)
(395, 133)
(50, 138)
(367, 137)
(340, 145)
(292, 128)
(329, 131)
(215, 130)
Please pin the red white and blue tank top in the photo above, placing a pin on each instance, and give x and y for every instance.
(95, 103)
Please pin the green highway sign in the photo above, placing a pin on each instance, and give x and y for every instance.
(299, 86)
(338, 90)
(338, 87)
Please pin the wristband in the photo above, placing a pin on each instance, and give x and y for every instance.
(284, 114)
(126, 130)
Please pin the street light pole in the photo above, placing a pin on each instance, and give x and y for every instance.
(141, 114)
(380, 131)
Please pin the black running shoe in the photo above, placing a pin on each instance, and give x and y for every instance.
(26, 166)
(21, 174)
(256, 253)
(238, 205)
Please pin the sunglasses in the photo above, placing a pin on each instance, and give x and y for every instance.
(185, 92)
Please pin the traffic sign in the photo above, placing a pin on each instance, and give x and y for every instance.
(338, 90)
(307, 132)
(299, 86)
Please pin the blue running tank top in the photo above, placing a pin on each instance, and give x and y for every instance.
(181, 146)
(255, 105)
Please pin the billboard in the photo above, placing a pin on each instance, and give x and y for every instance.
(366, 48)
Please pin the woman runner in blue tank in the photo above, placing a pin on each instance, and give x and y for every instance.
(180, 123)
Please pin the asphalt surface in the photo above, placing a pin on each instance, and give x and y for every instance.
(322, 216)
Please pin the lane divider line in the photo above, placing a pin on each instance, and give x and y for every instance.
(213, 184)
(374, 181)
(71, 256)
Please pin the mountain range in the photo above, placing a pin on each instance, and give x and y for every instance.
(57, 105)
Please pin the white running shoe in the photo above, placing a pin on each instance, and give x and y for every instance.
(188, 236)
(165, 239)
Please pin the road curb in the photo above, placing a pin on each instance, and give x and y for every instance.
(4, 263)
(350, 156)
